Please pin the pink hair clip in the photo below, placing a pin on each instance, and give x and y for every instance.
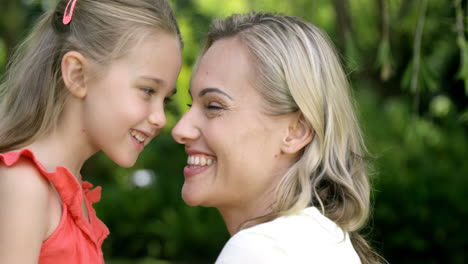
(68, 14)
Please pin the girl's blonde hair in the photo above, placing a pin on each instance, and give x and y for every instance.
(297, 69)
(32, 95)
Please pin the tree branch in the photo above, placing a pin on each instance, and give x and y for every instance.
(417, 54)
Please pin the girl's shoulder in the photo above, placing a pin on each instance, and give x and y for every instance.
(21, 182)
(23, 164)
(20, 173)
(24, 201)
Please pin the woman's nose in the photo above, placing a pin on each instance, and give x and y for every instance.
(185, 130)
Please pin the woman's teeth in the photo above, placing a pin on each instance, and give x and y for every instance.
(140, 137)
(200, 160)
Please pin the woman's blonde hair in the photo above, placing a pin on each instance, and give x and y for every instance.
(297, 69)
(32, 94)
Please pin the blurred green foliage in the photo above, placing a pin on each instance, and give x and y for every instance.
(408, 64)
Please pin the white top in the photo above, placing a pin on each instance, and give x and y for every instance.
(307, 237)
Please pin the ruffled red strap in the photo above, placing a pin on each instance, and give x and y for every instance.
(64, 182)
(93, 195)
(69, 190)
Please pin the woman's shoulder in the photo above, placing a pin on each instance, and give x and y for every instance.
(308, 224)
(249, 246)
(305, 237)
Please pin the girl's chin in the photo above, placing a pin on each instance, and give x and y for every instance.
(125, 162)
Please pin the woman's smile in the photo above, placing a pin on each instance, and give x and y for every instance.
(197, 163)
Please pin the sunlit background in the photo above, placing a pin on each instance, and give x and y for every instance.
(408, 64)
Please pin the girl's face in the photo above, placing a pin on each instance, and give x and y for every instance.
(124, 109)
(233, 146)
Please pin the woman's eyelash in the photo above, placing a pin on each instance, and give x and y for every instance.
(210, 107)
(213, 107)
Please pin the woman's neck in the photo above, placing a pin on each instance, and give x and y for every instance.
(235, 217)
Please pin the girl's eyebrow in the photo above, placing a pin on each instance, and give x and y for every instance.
(156, 80)
(159, 82)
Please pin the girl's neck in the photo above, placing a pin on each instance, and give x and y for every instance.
(66, 145)
(61, 148)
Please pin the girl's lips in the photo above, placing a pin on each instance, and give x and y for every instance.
(148, 135)
(190, 171)
(139, 145)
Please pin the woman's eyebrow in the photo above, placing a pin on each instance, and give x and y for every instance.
(213, 90)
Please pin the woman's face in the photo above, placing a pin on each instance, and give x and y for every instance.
(233, 146)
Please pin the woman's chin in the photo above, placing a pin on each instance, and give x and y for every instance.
(190, 196)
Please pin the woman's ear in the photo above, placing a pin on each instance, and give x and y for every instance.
(299, 135)
(73, 73)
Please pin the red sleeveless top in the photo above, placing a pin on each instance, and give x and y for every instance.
(75, 240)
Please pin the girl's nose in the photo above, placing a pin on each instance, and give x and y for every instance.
(157, 118)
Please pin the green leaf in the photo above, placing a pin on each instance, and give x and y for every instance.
(384, 60)
(352, 54)
(428, 77)
(406, 79)
(462, 73)
(464, 116)
(440, 106)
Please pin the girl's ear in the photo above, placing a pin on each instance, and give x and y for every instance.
(299, 135)
(73, 73)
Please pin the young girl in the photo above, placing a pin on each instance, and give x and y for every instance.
(93, 75)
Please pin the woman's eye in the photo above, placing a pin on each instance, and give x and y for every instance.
(214, 107)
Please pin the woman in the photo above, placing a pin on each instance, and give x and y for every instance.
(274, 144)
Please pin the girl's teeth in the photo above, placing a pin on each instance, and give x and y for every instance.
(138, 136)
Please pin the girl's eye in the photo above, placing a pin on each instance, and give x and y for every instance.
(148, 91)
